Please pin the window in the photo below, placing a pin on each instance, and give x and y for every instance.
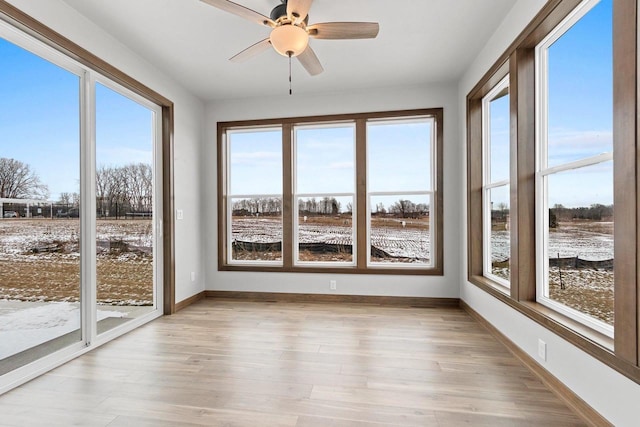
(495, 210)
(324, 195)
(400, 191)
(574, 178)
(254, 196)
(573, 119)
(350, 194)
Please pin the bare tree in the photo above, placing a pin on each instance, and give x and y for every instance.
(18, 181)
(349, 208)
(404, 208)
(65, 199)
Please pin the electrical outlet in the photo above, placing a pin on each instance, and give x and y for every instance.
(179, 214)
(542, 350)
(193, 276)
(333, 285)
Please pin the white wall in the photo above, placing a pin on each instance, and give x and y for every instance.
(610, 393)
(189, 114)
(381, 99)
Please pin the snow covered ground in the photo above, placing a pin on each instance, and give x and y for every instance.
(398, 242)
(25, 325)
(589, 241)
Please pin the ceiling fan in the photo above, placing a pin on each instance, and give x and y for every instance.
(290, 31)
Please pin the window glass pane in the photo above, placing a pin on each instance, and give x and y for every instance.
(124, 202)
(399, 156)
(400, 229)
(580, 240)
(499, 246)
(580, 88)
(256, 229)
(499, 136)
(255, 162)
(39, 207)
(325, 160)
(325, 229)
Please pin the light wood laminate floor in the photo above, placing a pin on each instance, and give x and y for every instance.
(239, 363)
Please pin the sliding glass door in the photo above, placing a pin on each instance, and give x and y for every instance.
(80, 216)
(125, 207)
(40, 289)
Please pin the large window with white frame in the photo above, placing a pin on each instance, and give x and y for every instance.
(400, 192)
(324, 194)
(357, 192)
(496, 196)
(574, 177)
(254, 195)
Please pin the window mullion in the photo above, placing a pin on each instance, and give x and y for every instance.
(362, 211)
(626, 182)
(523, 167)
(287, 196)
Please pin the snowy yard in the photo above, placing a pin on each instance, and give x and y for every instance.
(40, 260)
(588, 290)
(24, 325)
(409, 242)
(40, 276)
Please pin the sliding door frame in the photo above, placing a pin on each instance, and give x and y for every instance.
(90, 70)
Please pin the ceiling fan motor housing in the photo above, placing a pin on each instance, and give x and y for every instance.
(279, 11)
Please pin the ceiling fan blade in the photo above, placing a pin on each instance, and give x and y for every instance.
(344, 30)
(252, 51)
(298, 9)
(241, 11)
(310, 61)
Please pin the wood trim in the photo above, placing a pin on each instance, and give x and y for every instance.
(589, 415)
(626, 178)
(191, 300)
(550, 18)
(523, 166)
(399, 271)
(422, 302)
(475, 238)
(637, 118)
(360, 267)
(332, 118)
(490, 81)
(361, 193)
(438, 267)
(222, 196)
(169, 256)
(547, 18)
(46, 35)
(287, 196)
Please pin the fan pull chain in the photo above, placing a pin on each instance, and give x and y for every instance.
(290, 91)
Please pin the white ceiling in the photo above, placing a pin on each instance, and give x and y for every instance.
(420, 41)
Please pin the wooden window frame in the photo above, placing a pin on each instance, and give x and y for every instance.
(360, 202)
(622, 352)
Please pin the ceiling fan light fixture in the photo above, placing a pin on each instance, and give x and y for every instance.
(289, 38)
